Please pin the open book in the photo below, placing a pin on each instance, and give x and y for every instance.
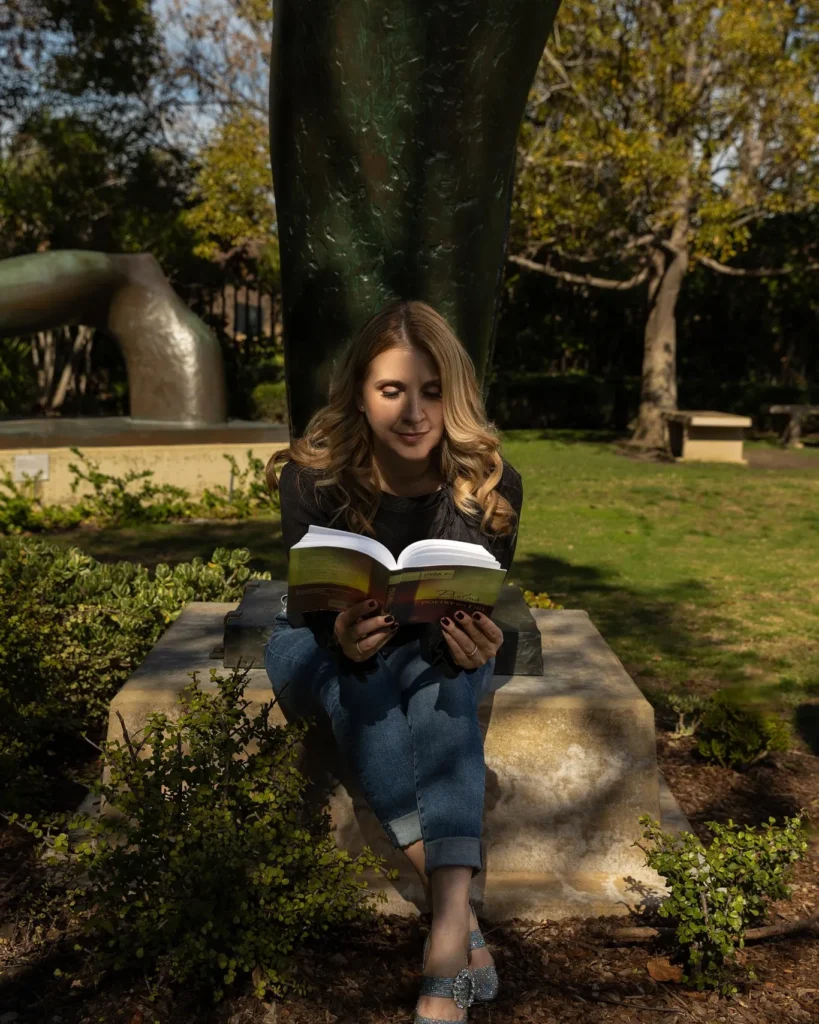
(334, 569)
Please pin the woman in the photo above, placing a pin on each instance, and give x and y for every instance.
(403, 451)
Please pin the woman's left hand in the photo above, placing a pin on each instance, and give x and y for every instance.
(464, 632)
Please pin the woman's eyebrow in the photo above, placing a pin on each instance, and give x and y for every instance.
(400, 383)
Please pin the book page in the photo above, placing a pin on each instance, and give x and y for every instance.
(440, 551)
(327, 536)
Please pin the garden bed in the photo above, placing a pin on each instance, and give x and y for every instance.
(551, 972)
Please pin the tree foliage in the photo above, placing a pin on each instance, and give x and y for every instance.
(657, 134)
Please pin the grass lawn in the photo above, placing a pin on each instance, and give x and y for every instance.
(702, 575)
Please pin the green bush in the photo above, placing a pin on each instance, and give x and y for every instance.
(718, 891)
(132, 499)
(737, 737)
(218, 869)
(270, 401)
(73, 629)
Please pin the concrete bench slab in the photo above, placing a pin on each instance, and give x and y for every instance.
(707, 436)
(571, 765)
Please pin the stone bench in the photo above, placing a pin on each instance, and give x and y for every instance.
(707, 436)
(571, 765)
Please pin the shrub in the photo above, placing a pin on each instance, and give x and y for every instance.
(73, 629)
(737, 737)
(717, 891)
(539, 600)
(270, 401)
(218, 869)
(132, 499)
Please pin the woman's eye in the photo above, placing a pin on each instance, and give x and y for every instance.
(395, 394)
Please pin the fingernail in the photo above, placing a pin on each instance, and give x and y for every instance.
(459, 615)
(445, 621)
(373, 604)
(394, 625)
(476, 616)
(389, 618)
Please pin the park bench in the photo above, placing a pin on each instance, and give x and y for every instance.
(571, 765)
(706, 436)
(797, 416)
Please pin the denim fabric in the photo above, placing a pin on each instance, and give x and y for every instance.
(409, 735)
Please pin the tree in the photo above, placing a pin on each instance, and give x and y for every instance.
(658, 132)
(218, 55)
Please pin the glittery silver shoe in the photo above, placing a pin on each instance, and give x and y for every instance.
(461, 988)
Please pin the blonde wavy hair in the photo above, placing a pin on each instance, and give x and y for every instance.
(338, 439)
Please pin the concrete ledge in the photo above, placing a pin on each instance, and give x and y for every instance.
(571, 765)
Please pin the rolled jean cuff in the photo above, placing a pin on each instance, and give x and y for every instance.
(406, 830)
(457, 851)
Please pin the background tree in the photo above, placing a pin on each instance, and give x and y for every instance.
(218, 55)
(658, 133)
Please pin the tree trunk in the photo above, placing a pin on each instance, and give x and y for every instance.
(659, 383)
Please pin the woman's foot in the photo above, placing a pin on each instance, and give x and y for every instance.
(446, 957)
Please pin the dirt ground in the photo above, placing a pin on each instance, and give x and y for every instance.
(562, 972)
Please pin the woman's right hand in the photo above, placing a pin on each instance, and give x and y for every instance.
(359, 623)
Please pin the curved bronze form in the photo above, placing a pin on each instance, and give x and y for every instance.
(393, 131)
(175, 368)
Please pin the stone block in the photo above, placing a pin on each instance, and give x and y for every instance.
(571, 765)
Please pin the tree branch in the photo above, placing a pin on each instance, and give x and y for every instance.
(721, 268)
(588, 279)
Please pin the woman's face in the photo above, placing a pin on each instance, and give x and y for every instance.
(400, 397)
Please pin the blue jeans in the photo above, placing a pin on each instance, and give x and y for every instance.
(409, 735)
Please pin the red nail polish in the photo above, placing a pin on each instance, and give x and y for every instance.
(373, 604)
(459, 615)
(445, 621)
(476, 616)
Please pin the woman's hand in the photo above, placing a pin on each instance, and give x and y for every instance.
(465, 632)
(358, 623)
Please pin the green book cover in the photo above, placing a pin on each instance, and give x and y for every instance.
(334, 569)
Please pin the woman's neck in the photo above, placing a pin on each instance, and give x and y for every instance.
(409, 482)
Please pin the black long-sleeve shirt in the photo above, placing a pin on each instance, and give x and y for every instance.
(398, 522)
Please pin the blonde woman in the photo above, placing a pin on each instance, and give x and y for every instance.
(403, 451)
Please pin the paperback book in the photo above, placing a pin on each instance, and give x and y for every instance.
(330, 570)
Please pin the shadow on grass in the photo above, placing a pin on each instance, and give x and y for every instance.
(652, 625)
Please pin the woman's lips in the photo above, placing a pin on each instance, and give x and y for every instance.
(412, 438)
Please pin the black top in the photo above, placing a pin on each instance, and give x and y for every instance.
(398, 522)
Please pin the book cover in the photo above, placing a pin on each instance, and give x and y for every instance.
(333, 578)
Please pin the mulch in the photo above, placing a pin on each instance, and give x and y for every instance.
(555, 972)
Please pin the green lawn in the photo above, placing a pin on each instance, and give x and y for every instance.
(702, 575)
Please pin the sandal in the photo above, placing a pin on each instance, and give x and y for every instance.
(461, 988)
(485, 979)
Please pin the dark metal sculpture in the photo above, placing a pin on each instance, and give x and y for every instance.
(393, 130)
(174, 363)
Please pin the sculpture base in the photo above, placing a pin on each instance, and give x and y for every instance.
(186, 455)
(571, 765)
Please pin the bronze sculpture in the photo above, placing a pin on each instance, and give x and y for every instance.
(393, 130)
(175, 368)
